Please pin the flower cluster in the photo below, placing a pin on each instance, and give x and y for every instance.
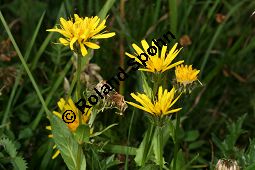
(158, 63)
(79, 33)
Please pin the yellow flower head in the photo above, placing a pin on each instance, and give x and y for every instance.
(185, 74)
(79, 31)
(69, 105)
(156, 62)
(158, 107)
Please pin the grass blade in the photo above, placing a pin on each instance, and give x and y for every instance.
(24, 64)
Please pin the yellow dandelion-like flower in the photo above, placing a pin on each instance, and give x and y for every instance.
(185, 74)
(79, 31)
(69, 105)
(158, 107)
(155, 63)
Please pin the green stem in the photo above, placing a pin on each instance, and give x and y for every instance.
(176, 145)
(154, 84)
(156, 81)
(148, 143)
(129, 132)
(69, 94)
(160, 142)
(78, 90)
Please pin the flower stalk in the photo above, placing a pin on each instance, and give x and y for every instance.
(176, 142)
(78, 90)
(160, 142)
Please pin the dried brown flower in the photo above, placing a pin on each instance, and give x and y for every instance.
(227, 164)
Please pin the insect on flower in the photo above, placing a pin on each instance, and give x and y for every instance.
(113, 99)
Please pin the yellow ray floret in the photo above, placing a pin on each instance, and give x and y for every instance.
(69, 105)
(79, 31)
(160, 106)
(185, 74)
(159, 62)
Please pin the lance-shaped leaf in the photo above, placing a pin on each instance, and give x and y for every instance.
(70, 150)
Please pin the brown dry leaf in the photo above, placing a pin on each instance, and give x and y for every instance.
(7, 77)
(6, 51)
(185, 40)
(220, 18)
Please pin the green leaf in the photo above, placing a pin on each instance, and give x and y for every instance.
(119, 149)
(251, 152)
(109, 162)
(70, 150)
(157, 143)
(180, 162)
(32, 41)
(25, 133)
(191, 135)
(9, 147)
(196, 144)
(82, 134)
(227, 146)
(191, 161)
(218, 143)
(144, 150)
(99, 133)
(171, 130)
(146, 88)
(235, 130)
(93, 116)
(19, 163)
(157, 146)
(149, 167)
(107, 6)
(251, 167)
